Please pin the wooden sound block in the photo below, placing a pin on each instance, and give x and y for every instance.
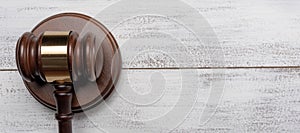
(86, 93)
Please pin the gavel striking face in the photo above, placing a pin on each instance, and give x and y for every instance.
(63, 58)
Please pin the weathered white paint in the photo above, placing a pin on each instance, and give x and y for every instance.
(253, 100)
(251, 33)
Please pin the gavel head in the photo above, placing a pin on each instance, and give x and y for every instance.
(69, 48)
(60, 56)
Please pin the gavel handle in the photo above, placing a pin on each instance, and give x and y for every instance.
(63, 98)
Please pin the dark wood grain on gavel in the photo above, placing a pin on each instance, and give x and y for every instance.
(63, 96)
(89, 56)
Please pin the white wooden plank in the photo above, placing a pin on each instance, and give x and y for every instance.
(256, 33)
(255, 100)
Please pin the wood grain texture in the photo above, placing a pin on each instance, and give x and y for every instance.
(250, 33)
(256, 33)
(253, 101)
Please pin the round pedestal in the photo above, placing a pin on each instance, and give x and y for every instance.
(86, 93)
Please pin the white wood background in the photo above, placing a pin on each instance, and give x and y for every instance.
(252, 33)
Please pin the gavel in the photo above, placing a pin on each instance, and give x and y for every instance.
(62, 60)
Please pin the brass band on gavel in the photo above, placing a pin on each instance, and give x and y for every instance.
(54, 56)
